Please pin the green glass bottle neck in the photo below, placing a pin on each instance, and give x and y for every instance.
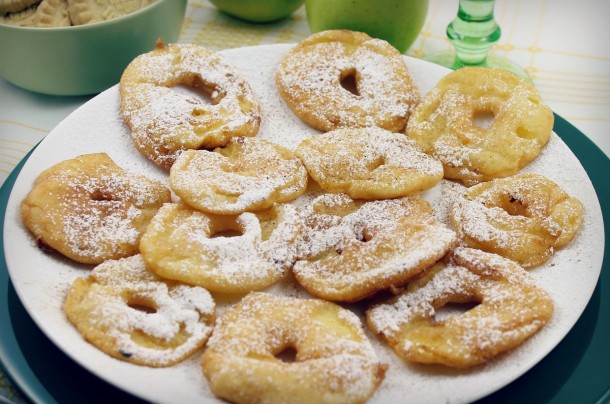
(473, 32)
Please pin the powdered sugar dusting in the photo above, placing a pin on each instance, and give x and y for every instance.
(98, 210)
(247, 174)
(349, 250)
(523, 217)
(310, 81)
(510, 309)
(188, 245)
(478, 222)
(106, 221)
(178, 309)
(333, 354)
(165, 122)
(369, 163)
(232, 255)
(449, 125)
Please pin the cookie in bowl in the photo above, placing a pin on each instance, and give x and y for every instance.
(80, 59)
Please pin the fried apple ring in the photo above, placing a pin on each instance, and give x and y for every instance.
(247, 174)
(312, 79)
(165, 122)
(135, 316)
(352, 249)
(368, 163)
(334, 361)
(222, 253)
(452, 124)
(525, 218)
(509, 309)
(90, 209)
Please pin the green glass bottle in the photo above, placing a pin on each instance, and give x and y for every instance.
(473, 32)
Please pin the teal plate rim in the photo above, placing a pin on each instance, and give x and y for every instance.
(576, 370)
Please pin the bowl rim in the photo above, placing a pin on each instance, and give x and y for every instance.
(93, 25)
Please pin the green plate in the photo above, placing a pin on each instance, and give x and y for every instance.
(576, 371)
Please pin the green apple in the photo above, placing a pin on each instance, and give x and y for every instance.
(258, 10)
(397, 21)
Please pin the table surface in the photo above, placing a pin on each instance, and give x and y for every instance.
(561, 44)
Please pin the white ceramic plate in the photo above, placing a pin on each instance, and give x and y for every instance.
(41, 280)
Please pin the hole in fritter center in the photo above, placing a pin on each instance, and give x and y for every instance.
(514, 206)
(287, 355)
(483, 119)
(376, 163)
(453, 309)
(142, 305)
(349, 83)
(198, 93)
(99, 195)
(227, 233)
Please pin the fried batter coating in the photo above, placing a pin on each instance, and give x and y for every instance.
(248, 174)
(312, 79)
(368, 163)
(525, 218)
(135, 316)
(223, 253)
(349, 249)
(90, 209)
(509, 308)
(453, 124)
(334, 361)
(164, 122)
